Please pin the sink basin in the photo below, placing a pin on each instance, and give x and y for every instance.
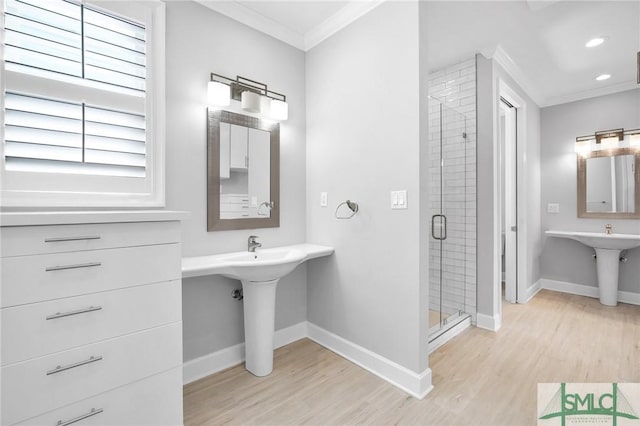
(268, 265)
(607, 248)
(600, 240)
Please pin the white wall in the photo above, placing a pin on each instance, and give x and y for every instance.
(200, 41)
(489, 75)
(566, 260)
(362, 142)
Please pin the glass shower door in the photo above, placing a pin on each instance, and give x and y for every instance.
(452, 203)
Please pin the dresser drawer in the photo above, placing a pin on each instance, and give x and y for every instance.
(61, 324)
(154, 401)
(27, 279)
(32, 388)
(27, 240)
(234, 198)
(238, 208)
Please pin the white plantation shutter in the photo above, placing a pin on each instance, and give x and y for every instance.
(46, 135)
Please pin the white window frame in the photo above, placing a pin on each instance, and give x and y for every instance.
(33, 189)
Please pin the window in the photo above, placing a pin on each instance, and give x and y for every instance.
(83, 104)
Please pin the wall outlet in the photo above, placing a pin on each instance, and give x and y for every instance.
(553, 208)
(323, 199)
(399, 200)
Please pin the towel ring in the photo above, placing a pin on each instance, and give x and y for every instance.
(269, 205)
(352, 205)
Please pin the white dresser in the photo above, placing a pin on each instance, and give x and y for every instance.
(91, 318)
(234, 206)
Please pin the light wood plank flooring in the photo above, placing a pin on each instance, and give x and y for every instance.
(480, 377)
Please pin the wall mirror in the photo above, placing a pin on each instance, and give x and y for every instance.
(609, 184)
(243, 172)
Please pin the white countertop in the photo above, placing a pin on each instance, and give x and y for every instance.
(212, 264)
(97, 216)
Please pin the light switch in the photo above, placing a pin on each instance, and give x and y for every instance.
(399, 199)
(323, 199)
(553, 208)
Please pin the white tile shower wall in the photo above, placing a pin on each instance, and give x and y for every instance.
(452, 144)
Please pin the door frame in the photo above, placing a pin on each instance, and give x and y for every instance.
(506, 92)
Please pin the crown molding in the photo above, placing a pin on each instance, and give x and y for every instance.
(253, 19)
(592, 93)
(351, 12)
(504, 60)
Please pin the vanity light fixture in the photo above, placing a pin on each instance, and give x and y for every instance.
(603, 77)
(606, 140)
(255, 97)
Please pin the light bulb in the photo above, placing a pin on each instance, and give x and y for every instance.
(609, 143)
(250, 101)
(279, 110)
(265, 106)
(219, 93)
(583, 147)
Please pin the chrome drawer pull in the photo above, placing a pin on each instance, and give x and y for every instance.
(70, 313)
(80, 265)
(80, 238)
(91, 413)
(61, 368)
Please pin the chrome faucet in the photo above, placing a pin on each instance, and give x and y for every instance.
(608, 228)
(252, 244)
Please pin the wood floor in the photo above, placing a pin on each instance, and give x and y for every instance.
(480, 377)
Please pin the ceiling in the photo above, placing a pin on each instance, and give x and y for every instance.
(539, 42)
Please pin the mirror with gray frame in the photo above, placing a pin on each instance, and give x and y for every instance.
(243, 172)
(609, 184)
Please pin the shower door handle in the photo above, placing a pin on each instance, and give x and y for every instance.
(443, 227)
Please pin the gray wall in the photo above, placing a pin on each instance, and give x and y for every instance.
(363, 132)
(489, 73)
(566, 260)
(200, 41)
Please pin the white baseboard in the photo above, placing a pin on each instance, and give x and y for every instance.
(531, 292)
(487, 322)
(228, 357)
(587, 290)
(417, 385)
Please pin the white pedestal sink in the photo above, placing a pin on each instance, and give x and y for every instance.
(259, 273)
(607, 248)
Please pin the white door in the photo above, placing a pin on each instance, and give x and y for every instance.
(509, 211)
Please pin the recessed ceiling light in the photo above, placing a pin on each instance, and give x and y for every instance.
(595, 42)
(603, 77)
